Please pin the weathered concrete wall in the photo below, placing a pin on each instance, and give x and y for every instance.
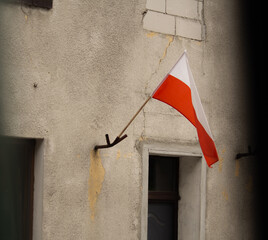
(231, 187)
(82, 69)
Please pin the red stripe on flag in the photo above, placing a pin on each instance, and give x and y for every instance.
(177, 94)
(207, 145)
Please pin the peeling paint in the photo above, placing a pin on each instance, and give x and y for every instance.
(96, 177)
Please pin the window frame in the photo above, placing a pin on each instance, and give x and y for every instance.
(28, 146)
(167, 196)
(38, 183)
(171, 150)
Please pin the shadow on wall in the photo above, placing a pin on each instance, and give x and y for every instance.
(46, 4)
(255, 48)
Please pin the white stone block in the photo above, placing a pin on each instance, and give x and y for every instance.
(183, 8)
(200, 10)
(156, 5)
(188, 28)
(159, 22)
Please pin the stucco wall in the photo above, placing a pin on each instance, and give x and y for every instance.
(82, 69)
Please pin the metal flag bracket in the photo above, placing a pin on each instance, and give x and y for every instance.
(108, 145)
(119, 138)
(249, 153)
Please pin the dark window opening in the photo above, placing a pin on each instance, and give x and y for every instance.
(38, 3)
(163, 196)
(16, 188)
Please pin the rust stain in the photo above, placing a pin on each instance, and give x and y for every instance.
(221, 160)
(96, 178)
(220, 163)
(237, 166)
(225, 195)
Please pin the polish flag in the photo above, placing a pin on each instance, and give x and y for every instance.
(179, 91)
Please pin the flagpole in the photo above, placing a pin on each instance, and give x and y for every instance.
(147, 100)
(131, 120)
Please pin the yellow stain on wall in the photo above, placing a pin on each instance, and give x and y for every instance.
(225, 195)
(118, 154)
(220, 163)
(96, 177)
(221, 160)
(142, 138)
(170, 40)
(128, 155)
(151, 34)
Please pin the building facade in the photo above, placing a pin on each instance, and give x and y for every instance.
(81, 69)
